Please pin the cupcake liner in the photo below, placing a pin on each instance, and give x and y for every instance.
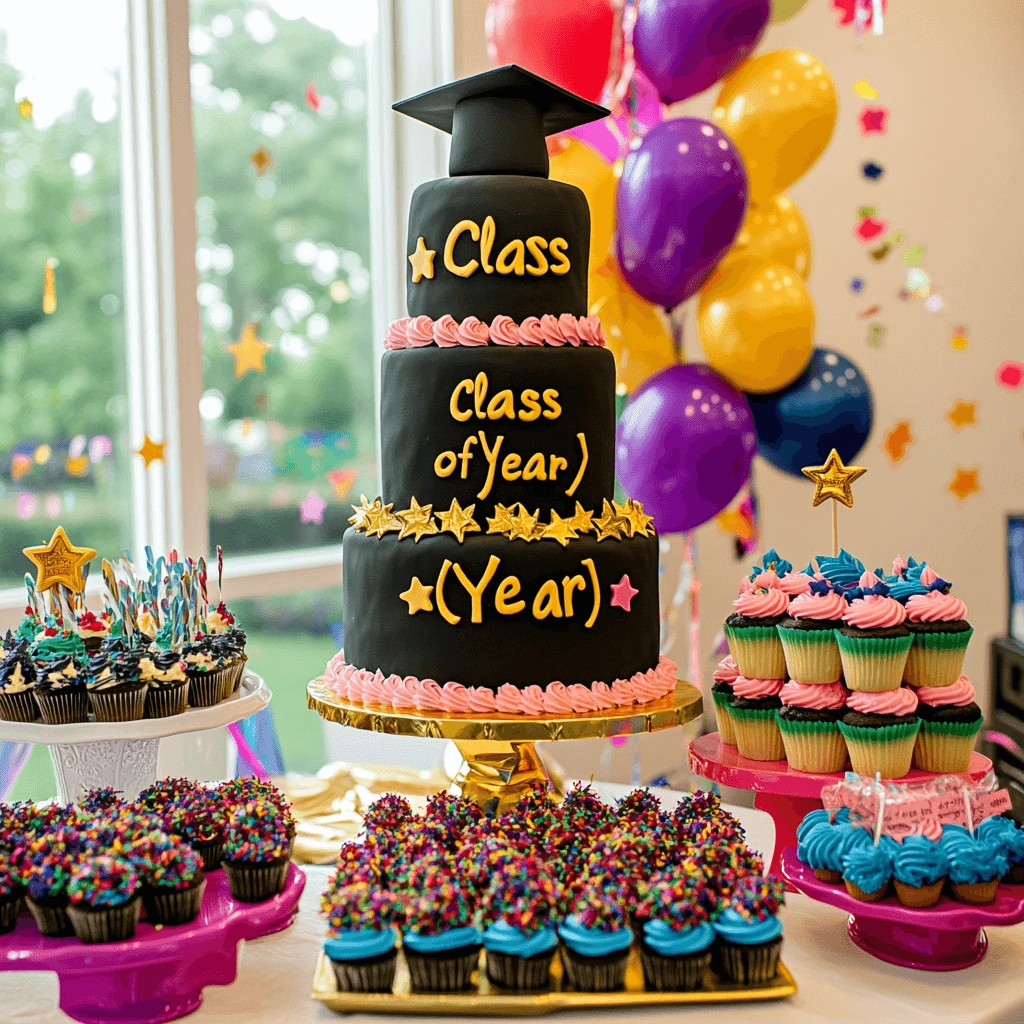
(118, 705)
(165, 701)
(18, 707)
(525, 974)
(813, 746)
(975, 892)
(232, 678)
(726, 727)
(946, 746)
(51, 916)
(674, 973)
(758, 737)
(205, 689)
(374, 974)
(63, 708)
(748, 965)
(10, 907)
(173, 906)
(255, 883)
(211, 850)
(757, 651)
(592, 973)
(873, 664)
(919, 897)
(105, 924)
(888, 749)
(829, 876)
(865, 897)
(812, 655)
(936, 659)
(448, 972)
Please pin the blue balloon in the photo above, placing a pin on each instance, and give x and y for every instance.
(828, 406)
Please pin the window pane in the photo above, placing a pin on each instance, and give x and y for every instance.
(63, 410)
(279, 100)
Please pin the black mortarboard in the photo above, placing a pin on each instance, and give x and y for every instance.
(498, 120)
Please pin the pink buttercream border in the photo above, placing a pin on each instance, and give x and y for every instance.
(446, 332)
(361, 686)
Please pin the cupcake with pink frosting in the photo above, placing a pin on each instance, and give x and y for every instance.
(726, 675)
(880, 729)
(753, 710)
(751, 629)
(808, 633)
(873, 639)
(938, 624)
(809, 724)
(950, 723)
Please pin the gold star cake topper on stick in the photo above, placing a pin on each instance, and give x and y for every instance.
(60, 563)
(833, 480)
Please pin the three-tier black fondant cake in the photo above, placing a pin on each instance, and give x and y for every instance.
(496, 572)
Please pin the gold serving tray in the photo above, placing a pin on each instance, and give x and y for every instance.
(489, 1000)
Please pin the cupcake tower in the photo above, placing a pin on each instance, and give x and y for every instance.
(837, 663)
(91, 869)
(581, 881)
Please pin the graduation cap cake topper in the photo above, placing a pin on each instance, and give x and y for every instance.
(499, 120)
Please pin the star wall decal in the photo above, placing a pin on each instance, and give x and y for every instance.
(59, 563)
(417, 597)
(151, 451)
(417, 521)
(249, 352)
(458, 520)
(833, 480)
(965, 483)
(422, 261)
(897, 441)
(963, 414)
(311, 509)
(623, 593)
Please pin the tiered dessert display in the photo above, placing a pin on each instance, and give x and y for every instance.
(496, 594)
(549, 906)
(101, 690)
(922, 868)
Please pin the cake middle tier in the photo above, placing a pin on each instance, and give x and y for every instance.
(493, 425)
(491, 611)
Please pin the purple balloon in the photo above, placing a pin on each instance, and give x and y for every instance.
(611, 135)
(684, 46)
(679, 203)
(684, 446)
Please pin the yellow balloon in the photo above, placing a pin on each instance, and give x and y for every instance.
(636, 332)
(756, 324)
(579, 165)
(775, 230)
(780, 110)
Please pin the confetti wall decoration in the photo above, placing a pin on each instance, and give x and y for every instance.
(963, 414)
(249, 352)
(959, 341)
(312, 508)
(965, 482)
(1010, 374)
(897, 441)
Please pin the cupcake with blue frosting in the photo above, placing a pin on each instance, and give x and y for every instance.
(919, 869)
(361, 941)
(867, 869)
(975, 865)
(1005, 832)
(596, 939)
(749, 931)
(675, 948)
(823, 848)
(440, 937)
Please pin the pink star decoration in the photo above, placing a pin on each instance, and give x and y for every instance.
(312, 508)
(874, 121)
(623, 593)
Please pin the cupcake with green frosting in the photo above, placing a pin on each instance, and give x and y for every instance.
(750, 932)
(596, 939)
(440, 938)
(103, 899)
(808, 634)
(361, 941)
(938, 624)
(675, 947)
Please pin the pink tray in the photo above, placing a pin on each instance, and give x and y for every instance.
(946, 937)
(783, 792)
(160, 974)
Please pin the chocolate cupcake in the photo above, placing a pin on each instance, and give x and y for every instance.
(880, 731)
(808, 634)
(258, 843)
(172, 877)
(950, 723)
(103, 894)
(753, 709)
(168, 684)
(209, 670)
(17, 686)
(60, 691)
(361, 939)
(116, 692)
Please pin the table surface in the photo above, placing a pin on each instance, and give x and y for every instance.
(837, 981)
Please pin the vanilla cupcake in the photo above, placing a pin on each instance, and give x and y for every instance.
(753, 709)
(938, 625)
(751, 629)
(873, 640)
(808, 634)
(726, 675)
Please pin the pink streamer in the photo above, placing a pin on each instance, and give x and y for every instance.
(248, 753)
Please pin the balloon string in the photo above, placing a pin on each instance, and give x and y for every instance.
(690, 554)
(676, 320)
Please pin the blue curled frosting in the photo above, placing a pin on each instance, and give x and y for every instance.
(359, 945)
(868, 867)
(773, 560)
(593, 941)
(1005, 832)
(820, 817)
(825, 846)
(972, 860)
(501, 937)
(734, 927)
(843, 571)
(919, 861)
(669, 941)
(453, 938)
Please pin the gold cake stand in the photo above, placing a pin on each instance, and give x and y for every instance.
(499, 756)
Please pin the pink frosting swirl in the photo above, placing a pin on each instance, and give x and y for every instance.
(828, 607)
(473, 332)
(556, 699)
(958, 694)
(530, 332)
(898, 565)
(935, 607)
(550, 332)
(481, 700)
(430, 697)
(504, 330)
(752, 689)
(396, 334)
(590, 331)
(766, 580)
(874, 611)
(569, 329)
(420, 332)
(762, 604)
(816, 696)
(727, 670)
(795, 584)
(603, 695)
(581, 698)
(446, 331)
(746, 586)
(901, 701)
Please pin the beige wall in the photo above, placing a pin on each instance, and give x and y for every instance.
(952, 75)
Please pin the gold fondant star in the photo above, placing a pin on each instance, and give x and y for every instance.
(381, 520)
(59, 562)
(965, 482)
(638, 522)
(963, 414)
(524, 525)
(151, 451)
(501, 522)
(417, 597)
(249, 352)
(417, 521)
(610, 524)
(422, 261)
(582, 521)
(458, 520)
(358, 520)
(559, 529)
(833, 480)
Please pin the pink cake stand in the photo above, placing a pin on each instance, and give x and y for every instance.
(784, 793)
(160, 974)
(947, 937)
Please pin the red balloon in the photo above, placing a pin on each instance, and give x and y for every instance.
(568, 42)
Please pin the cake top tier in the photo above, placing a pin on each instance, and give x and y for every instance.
(498, 120)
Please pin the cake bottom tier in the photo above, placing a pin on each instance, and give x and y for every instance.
(491, 611)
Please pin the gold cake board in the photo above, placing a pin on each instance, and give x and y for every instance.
(487, 1000)
(499, 757)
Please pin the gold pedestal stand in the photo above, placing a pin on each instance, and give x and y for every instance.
(499, 756)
